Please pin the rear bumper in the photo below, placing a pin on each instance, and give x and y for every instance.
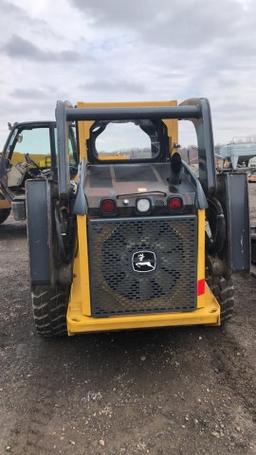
(207, 313)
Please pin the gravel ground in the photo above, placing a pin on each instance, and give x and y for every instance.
(171, 391)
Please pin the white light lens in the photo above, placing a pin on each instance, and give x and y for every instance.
(143, 205)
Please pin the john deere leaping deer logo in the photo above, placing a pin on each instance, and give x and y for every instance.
(144, 261)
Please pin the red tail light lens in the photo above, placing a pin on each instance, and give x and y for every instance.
(108, 206)
(175, 203)
(200, 287)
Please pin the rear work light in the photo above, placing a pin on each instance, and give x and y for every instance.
(175, 203)
(108, 206)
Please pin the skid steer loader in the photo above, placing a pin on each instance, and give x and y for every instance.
(135, 239)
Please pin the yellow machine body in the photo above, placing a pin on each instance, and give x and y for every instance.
(79, 317)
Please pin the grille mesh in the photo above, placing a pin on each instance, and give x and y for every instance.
(117, 289)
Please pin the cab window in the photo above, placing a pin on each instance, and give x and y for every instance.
(34, 143)
(125, 140)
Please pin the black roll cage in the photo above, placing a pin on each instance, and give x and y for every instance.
(197, 110)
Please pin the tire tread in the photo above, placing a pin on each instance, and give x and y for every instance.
(223, 290)
(49, 306)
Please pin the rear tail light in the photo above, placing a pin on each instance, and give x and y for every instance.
(175, 203)
(201, 287)
(108, 206)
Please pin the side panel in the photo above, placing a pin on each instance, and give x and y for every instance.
(80, 304)
(38, 230)
(233, 194)
(84, 281)
(201, 244)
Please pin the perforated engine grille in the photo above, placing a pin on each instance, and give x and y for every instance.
(171, 245)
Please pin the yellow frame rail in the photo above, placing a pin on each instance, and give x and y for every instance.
(208, 313)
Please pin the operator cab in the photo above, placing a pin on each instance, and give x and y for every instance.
(134, 170)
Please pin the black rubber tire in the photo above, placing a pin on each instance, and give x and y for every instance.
(223, 289)
(49, 307)
(4, 213)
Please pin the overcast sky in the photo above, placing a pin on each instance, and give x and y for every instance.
(129, 50)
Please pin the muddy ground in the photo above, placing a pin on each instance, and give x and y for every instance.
(172, 391)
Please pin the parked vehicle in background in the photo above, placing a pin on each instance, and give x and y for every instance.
(29, 153)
